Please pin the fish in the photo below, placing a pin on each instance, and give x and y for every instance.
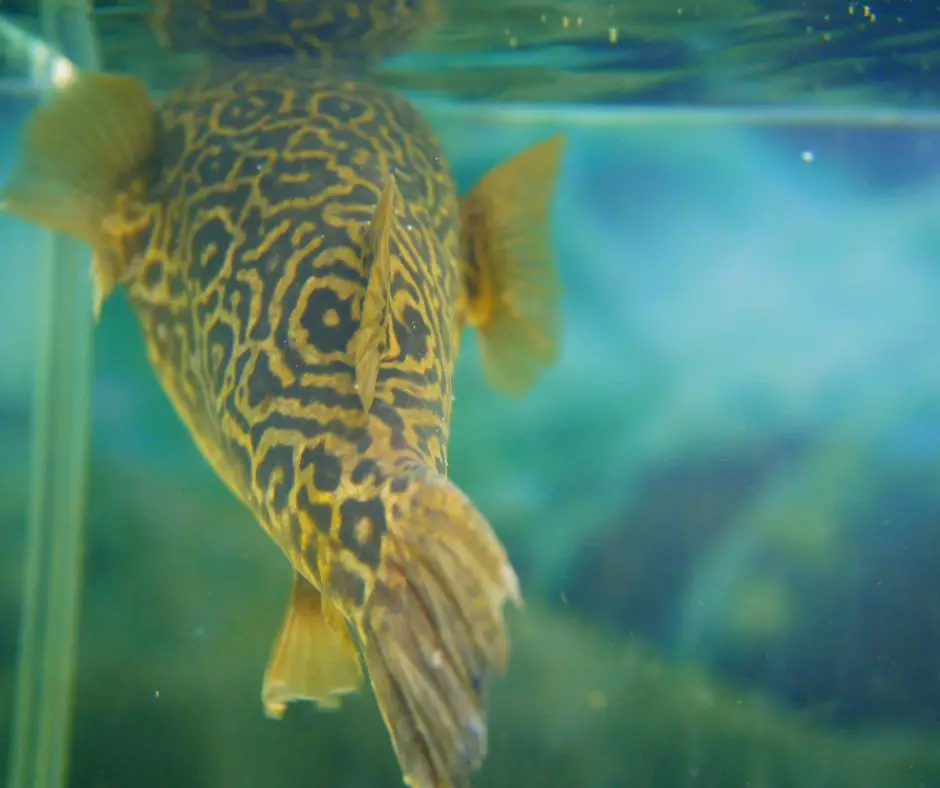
(354, 31)
(302, 270)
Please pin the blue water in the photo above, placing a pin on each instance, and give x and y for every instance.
(722, 502)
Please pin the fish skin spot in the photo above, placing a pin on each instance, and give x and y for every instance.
(352, 514)
(327, 468)
(320, 514)
(328, 322)
(364, 530)
(364, 469)
(347, 585)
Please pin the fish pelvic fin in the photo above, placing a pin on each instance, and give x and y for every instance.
(80, 168)
(375, 336)
(432, 629)
(510, 283)
(313, 658)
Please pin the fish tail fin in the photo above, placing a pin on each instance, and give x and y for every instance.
(510, 282)
(77, 164)
(375, 335)
(313, 658)
(432, 629)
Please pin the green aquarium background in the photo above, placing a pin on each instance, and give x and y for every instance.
(723, 502)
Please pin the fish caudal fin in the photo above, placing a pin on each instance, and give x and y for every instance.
(432, 631)
(313, 658)
(79, 155)
(510, 282)
(376, 335)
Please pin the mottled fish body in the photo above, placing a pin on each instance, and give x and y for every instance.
(323, 30)
(301, 267)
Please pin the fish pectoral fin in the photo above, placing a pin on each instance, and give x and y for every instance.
(509, 278)
(313, 658)
(79, 155)
(433, 634)
(375, 336)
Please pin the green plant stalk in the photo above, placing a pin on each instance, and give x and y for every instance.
(44, 697)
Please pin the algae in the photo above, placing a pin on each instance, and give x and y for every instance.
(184, 595)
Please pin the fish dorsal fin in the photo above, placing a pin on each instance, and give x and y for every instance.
(509, 279)
(314, 658)
(375, 337)
(80, 152)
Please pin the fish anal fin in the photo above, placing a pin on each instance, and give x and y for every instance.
(313, 658)
(375, 335)
(510, 282)
(81, 164)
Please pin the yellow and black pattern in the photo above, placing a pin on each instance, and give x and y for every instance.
(325, 30)
(293, 245)
(251, 289)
